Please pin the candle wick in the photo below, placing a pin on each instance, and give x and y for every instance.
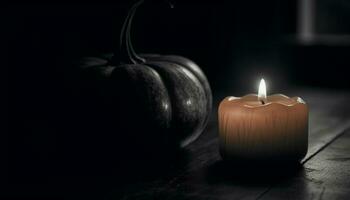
(262, 101)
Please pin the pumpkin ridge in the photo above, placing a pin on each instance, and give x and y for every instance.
(190, 127)
(196, 71)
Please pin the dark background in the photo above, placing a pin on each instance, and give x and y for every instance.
(235, 42)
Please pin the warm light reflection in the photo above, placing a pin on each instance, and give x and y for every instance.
(262, 91)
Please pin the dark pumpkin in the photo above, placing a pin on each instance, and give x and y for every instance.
(149, 100)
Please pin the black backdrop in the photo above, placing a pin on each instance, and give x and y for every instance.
(235, 42)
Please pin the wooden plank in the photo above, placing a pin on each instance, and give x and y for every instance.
(324, 137)
(329, 117)
(325, 176)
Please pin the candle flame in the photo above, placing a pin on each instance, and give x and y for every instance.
(262, 91)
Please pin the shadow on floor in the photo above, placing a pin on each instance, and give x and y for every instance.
(93, 179)
(252, 174)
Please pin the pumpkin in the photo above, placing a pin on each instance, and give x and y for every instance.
(150, 100)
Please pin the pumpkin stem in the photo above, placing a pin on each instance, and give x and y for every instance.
(129, 29)
(127, 54)
(128, 34)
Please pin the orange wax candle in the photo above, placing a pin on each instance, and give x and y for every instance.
(259, 127)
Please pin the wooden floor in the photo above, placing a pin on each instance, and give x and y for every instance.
(323, 174)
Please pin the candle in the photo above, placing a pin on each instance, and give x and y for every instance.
(260, 128)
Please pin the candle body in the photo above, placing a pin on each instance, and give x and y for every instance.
(250, 130)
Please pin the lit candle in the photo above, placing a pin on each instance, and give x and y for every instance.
(260, 128)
